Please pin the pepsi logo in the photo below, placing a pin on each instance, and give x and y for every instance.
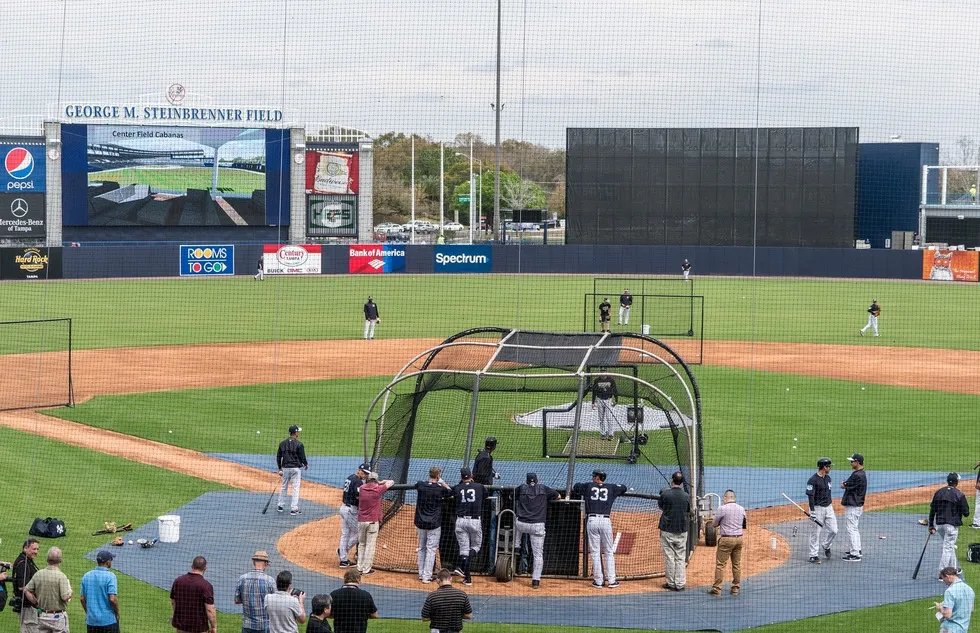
(19, 163)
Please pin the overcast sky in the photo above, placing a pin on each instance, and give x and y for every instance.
(428, 66)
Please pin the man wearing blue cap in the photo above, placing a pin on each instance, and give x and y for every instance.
(531, 505)
(99, 596)
(348, 513)
(291, 459)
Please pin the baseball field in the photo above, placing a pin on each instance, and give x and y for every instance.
(174, 376)
(176, 178)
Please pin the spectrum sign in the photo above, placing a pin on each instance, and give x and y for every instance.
(375, 259)
(207, 260)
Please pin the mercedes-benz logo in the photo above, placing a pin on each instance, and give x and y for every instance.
(19, 207)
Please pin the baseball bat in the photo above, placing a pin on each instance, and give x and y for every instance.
(919, 564)
(616, 542)
(269, 502)
(801, 509)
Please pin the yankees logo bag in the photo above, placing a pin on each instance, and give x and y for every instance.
(973, 553)
(48, 528)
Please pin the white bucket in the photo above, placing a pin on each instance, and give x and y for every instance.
(169, 525)
(646, 329)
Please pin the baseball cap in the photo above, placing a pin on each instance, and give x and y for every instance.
(952, 478)
(261, 556)
(104, 557)
(370, 298)
(294, 429)
(856, 457)
(465, 473)
(372, 475)
(532, 478)
(366, 467)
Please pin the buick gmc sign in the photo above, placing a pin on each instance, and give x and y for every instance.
(463, 259)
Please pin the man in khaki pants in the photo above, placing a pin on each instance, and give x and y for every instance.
(675, 521)
(369, 520)
(730, 521)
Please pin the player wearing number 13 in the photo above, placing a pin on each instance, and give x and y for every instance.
(469, 531)
(599, 497)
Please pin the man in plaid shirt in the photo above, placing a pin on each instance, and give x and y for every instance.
(251, 591)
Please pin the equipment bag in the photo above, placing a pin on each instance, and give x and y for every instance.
(973, 553)
(48, 528)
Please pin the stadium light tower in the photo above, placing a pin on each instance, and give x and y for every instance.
(497, 107)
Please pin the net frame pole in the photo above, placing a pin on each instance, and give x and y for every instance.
(469, 431)
(578, 423)
(71, 384)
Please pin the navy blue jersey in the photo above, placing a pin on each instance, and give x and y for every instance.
(469, 499)
(818, 491)
(532, 502)
(483, 471)
(626, 299)
(604, 388)
(428, 504)
(855, 487)
(604, 309)
(352, 489)
(598, 497)
(371, 311)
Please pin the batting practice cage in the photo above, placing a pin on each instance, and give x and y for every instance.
(535, 393)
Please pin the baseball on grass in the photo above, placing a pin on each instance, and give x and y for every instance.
(862, 388)
(794, 445)
(169, 431)
(258, 432)
(130, 541)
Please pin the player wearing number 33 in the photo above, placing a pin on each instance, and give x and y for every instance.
(599, 497)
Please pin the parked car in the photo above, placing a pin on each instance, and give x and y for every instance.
(452, 226)
(387, 228)
(421, 226)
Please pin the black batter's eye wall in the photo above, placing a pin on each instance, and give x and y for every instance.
(711, 186)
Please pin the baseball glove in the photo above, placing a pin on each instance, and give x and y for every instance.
(118, 541)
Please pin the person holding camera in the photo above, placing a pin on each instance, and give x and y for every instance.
(284, 608)
(23, 570)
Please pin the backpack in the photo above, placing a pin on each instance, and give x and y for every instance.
(48, 528)
(973, 553)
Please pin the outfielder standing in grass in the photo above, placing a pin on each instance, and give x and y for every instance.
(625, 303)
(873, 311)
(371, 318)
(291, 459)
(348, 513)
(946, 512)
(605, 309)
(599, 498)
(855, 488)
(260, 273)
(818, 492)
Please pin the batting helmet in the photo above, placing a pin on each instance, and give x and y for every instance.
(598, 473)
(491, 442)
(824, 461)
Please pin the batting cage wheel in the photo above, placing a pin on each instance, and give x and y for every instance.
(710, 535)
(559, 405)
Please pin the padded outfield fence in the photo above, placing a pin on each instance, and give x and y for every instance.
(497, 382)
(35, 364)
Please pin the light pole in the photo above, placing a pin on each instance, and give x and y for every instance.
(497, 107)
(413, 188)
(442, 186)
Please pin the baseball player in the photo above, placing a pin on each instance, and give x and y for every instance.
(348, 513)
(818, 492)
(428, 519)
(260, 274)
(976, 515)
(873, 311)
(686, 269)
(291, 458)
(855, 488)
(604, 390)
(469, 531)
(605, 314)
(483, 473)
(625, 303)
(599, 497)
(946, 512)
(371, 318)
(531, 504)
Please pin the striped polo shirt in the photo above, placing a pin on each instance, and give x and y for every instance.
(446, 607)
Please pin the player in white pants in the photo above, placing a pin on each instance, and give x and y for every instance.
(625, 303)
(855, 487)
(371, 318)
(531, 505)
(469, 531)
(599, 498)
(976, 515)
(260, 273)
(946, 512)
(818, 492)
(686, 269)
(873, 311)
(348, 513)
(428, 519)
(604, 398)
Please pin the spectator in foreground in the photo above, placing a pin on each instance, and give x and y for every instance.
(49, 591)
(352, 607)
(251, 591)
(100, 596)
(447, 606)
(284, 608)
(192, 600)
(320, 611)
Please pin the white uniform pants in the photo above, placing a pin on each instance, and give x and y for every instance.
(600, 534)
(852, 515)
(674, 546)
(976, 516)
(687, 274)
(624, 315)
(469, 535)
(290, 475)
(949, 533)
(348, 530)
(536, 532)
(428, 544)
(260, 275)
(369, 328)
(367, 540)
(605, 408)
(823, 536)
(872, 323)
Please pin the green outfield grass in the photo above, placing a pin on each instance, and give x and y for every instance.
(182, 311)
(750, 420)
(183, 178)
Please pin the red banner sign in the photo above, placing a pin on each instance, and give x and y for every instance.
(331, 172)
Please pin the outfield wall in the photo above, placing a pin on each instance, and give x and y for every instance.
(163, 260)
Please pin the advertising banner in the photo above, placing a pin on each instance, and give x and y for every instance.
(23, 168)
(331, 171)
(32, 262)
(463, 259)
(21, 215)
(331, 215)
(291, 259)
(951, 265)
(375, 259)
(207, 260)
